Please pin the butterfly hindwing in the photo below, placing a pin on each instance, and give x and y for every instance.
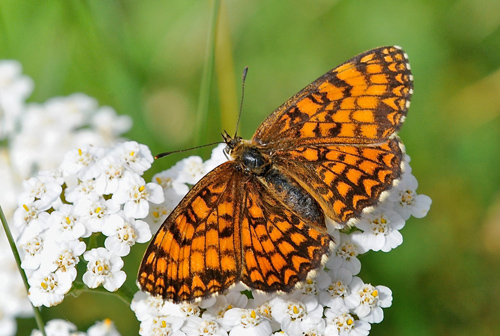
(344, 180)
(280, 246)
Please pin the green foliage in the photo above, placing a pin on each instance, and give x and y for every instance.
(145, 59)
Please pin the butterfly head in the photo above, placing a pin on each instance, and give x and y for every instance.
(231, 142)
(248, 156)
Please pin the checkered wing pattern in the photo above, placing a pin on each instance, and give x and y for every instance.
(197, 251)
(331, 150)
(337, 137)
(361, 101)
(280, 246)
(230, 227)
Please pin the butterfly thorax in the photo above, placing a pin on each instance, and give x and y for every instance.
(249, 157)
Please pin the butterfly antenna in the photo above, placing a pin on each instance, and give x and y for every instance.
(185, 150)
(245, 71)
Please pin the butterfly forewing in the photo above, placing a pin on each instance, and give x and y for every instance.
(197, 250)
(230, 227)
(361, 101)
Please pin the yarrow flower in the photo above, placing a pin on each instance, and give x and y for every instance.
(95, 213)
(406, 201)
(345, 254)
(379, 231)
(47, 131)
(65, 225)
(369, 301)
(338, 290)
(345, 324)
(123, 232)
(246, 322)
(64, 256)
(162, 325)
(103, 328)
(295, 313)
(57, 327)
(191, 169)
(135, 196)
(48, 289)
(104, 268)
(216, 309)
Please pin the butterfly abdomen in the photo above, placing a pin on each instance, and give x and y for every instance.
(294, 197)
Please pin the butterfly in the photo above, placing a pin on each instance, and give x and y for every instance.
(329, 151)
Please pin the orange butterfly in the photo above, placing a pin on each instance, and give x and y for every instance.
(330, 150)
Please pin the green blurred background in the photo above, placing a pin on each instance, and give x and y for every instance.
(145, 59)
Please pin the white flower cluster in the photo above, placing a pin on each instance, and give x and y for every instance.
(335, 302)
(65, 328)
(93, 191)
(36, 136)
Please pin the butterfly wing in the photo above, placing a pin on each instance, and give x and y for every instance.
(344, 180)
(361, 101)
(231, 227)
(336, 137)
(197, 250)
(280, 246)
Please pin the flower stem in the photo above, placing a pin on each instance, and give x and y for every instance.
(125, 295)
(122, 293)
(13, 247)
(207, 78)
